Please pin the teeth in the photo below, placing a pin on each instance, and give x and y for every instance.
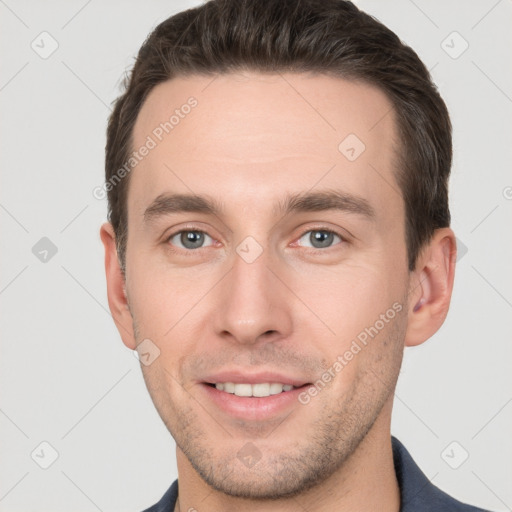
(243, 390)
(229, 387)
(275, 389)
(263, 389)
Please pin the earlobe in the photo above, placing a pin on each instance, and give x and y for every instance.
(431, 287)
(116, 287)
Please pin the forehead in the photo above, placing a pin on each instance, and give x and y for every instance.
(253, 136)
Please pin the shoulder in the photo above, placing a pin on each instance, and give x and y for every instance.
(417, 492)
(168, 500)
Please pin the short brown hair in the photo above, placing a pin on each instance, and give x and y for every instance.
(321, 36)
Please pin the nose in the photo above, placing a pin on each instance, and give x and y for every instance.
(254, 304)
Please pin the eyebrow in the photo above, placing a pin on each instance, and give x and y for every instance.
(166, 204)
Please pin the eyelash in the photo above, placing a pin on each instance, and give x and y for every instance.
(190, 252)
(314, 250)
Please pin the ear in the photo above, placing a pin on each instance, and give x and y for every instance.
(431, 285)
(116, 287)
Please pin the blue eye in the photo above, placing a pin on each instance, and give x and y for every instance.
(191, 239)
(320, 238)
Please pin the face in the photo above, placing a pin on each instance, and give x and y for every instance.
(277, 294)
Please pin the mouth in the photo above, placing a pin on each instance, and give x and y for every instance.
(256, 398)
(259, 390)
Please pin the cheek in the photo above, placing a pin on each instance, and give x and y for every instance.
(151, 309)
(349, 299)
(165, 391)
(160, 296)
(371, 358)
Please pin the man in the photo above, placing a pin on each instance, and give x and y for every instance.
(277, 179)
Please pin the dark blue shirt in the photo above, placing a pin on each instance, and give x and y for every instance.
(417, 493)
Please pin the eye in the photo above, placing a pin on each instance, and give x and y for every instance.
(189, 239)
(319, 238)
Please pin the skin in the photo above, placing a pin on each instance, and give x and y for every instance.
(251, 140)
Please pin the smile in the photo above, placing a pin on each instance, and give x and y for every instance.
(262, 389)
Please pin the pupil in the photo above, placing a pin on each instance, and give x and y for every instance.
(321, 238)
(192, 239)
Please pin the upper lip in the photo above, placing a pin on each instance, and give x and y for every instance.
(246, 377)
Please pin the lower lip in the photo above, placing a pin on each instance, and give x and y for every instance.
(253, 408)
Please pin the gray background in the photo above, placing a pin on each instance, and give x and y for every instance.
(67, 379)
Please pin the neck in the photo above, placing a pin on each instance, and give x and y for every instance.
(366, 481)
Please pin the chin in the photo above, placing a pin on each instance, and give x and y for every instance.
(272, 476)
